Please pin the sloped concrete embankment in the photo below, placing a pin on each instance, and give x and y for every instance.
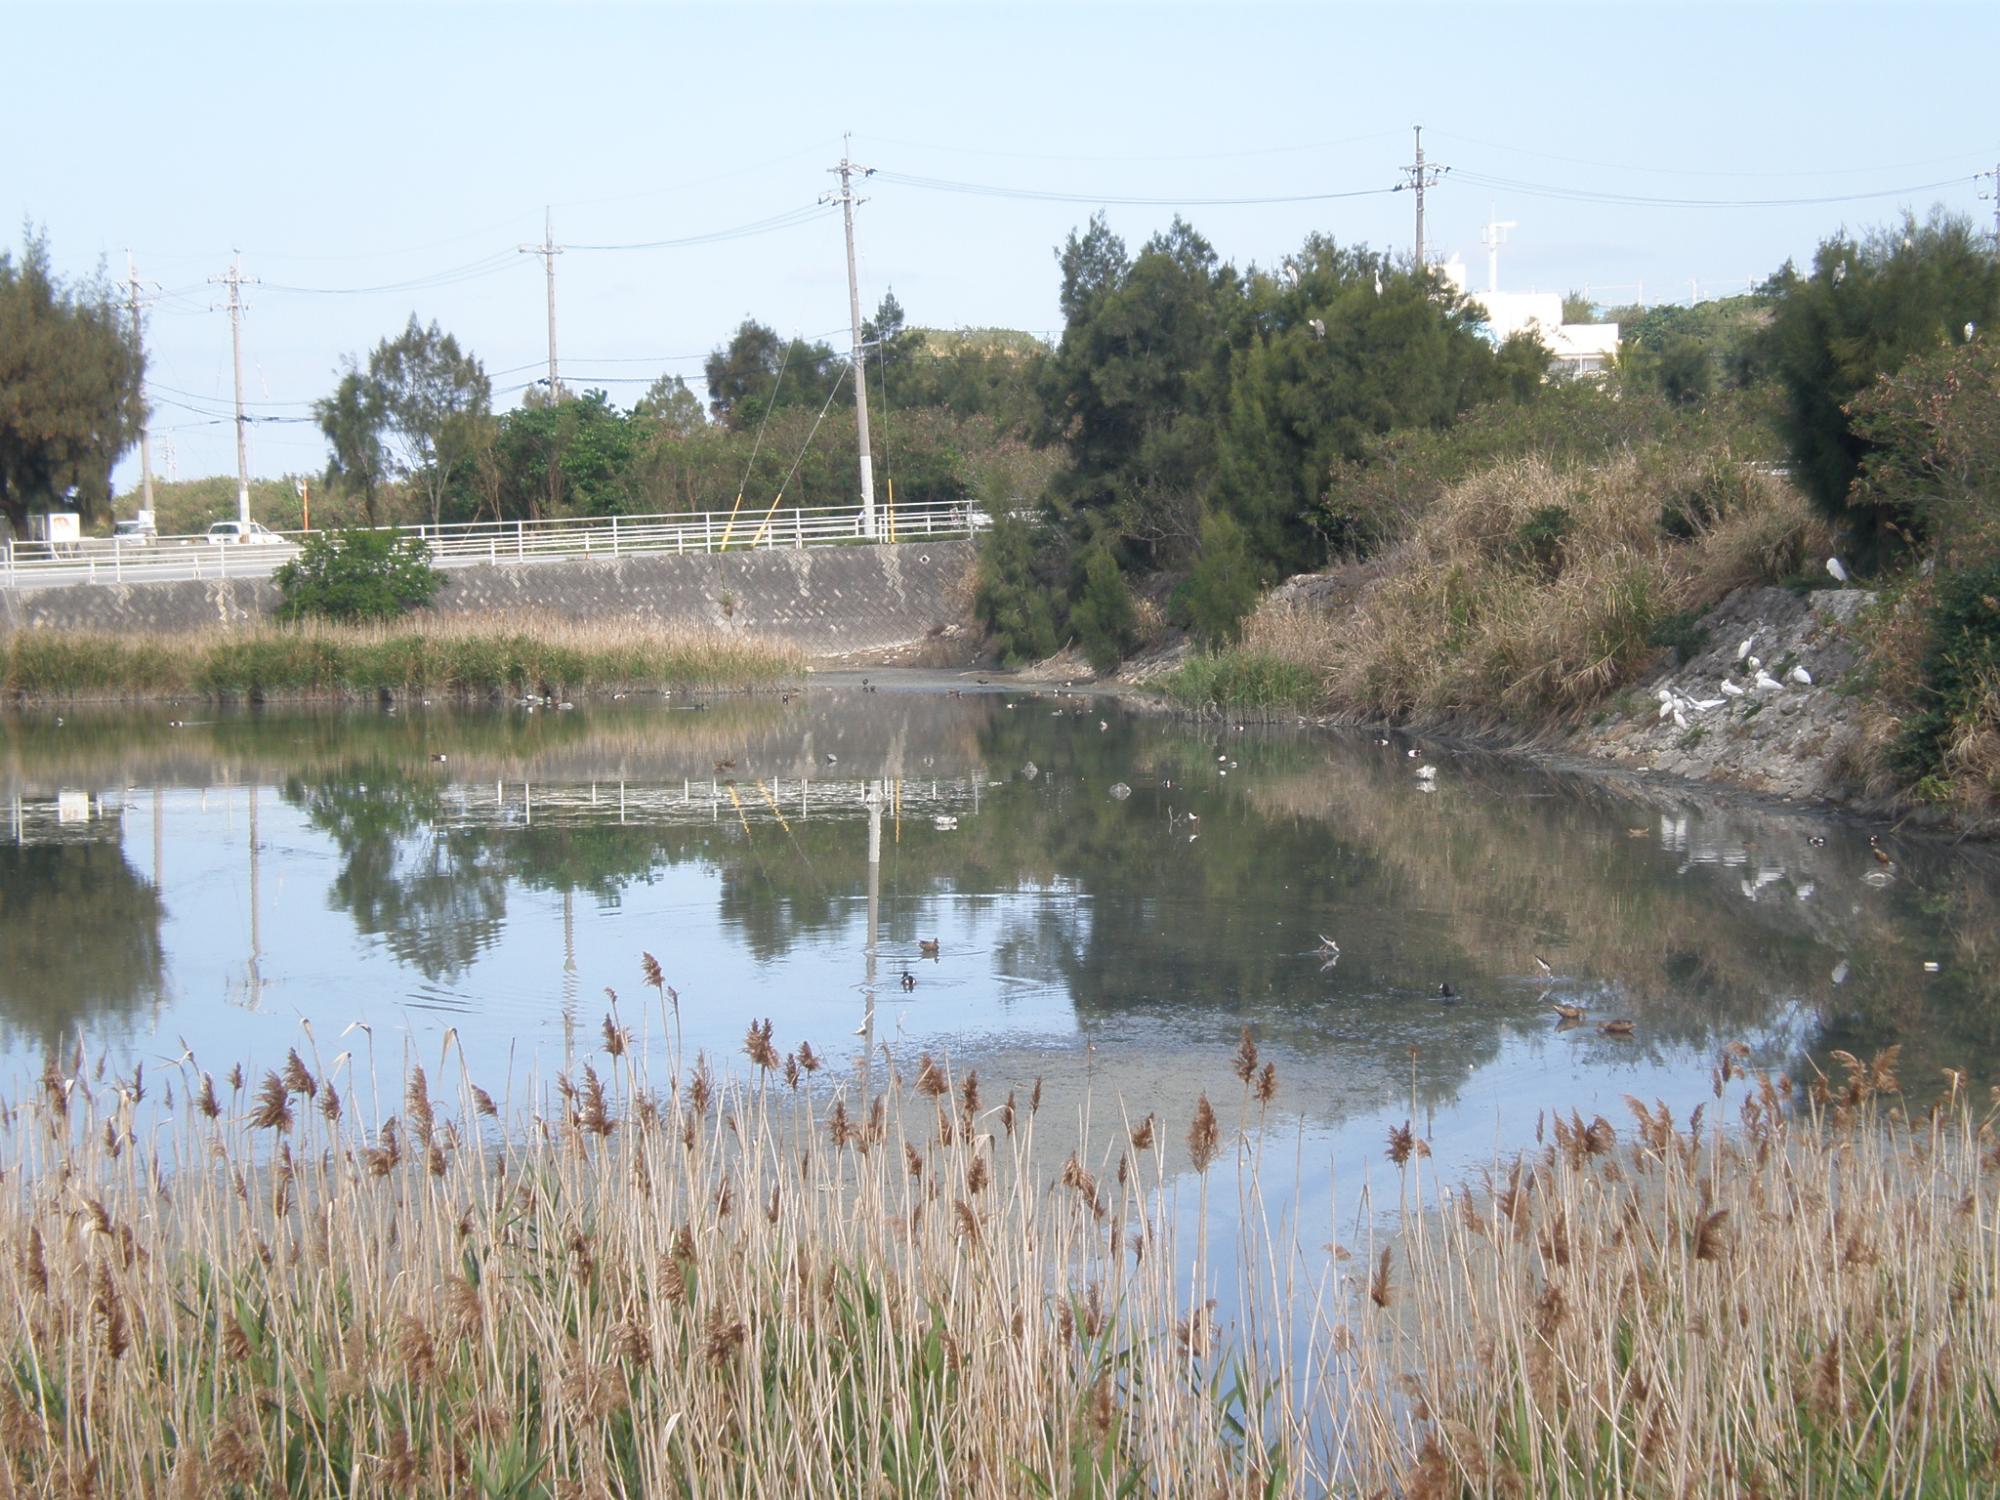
(832, 601)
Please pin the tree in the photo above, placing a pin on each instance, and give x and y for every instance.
(1578, 308)
(357, 575)
(436, 403)
(757, 371)
(1103, 618)
(1867, 306)
(70, 388)
(1135, 390)
(1684, 371)
(669, 407)
(352, 419)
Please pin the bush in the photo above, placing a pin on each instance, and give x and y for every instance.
(1105, 622)
(1014, 595)
(1538, 541)
(1959, 673)
(1222, 589)
(357, 575)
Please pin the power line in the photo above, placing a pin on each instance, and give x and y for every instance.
(788, 219)
(1640, 200)
(1044, 195)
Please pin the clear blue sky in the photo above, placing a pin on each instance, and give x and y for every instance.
(365, 146)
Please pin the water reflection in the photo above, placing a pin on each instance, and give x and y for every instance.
(499, 866)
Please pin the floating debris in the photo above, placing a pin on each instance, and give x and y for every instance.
(1120, 791)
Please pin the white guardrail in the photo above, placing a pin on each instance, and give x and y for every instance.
(108, 560)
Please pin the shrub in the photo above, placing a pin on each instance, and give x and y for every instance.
(357, 575)
(1105, 622)
(1958, 675)
(1222, 589)
(1014, 596)
(1538, 541)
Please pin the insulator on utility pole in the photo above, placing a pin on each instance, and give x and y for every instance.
(234, 280)
(549, 250)
(845, 197)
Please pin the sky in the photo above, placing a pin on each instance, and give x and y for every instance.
(370, 162)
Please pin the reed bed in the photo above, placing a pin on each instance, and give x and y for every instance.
(463, 657)
(769, 1281)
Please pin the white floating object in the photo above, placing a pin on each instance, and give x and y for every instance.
(1839, 975)
(1806, 891)
(1120, 791)
(1930, 966)
(1833, 566)
(1427, 773)
(1801, 676)
(1031, 770)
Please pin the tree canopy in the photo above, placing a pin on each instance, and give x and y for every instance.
(70, 387)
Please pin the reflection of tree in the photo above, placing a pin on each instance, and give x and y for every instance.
(82, 938)
(435, 896)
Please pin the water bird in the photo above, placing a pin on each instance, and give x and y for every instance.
(928, 947)
(1743, 651)
(437, 757)
(1446, 992)
(832, 759)
(1616, 1028)
(1801, 676)
(1317, 326)
(1765, 681)
(1816, 841)
(909, 980)
(1835, 567)
(1542, 967)
(1328, 946)
(1731, 690)
(725, 765)
(1567, 1012)
(1881, 854)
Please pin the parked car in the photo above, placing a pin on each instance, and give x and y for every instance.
(244, 531)
(137, 533)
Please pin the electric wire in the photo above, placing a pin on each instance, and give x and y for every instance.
(1048, 195)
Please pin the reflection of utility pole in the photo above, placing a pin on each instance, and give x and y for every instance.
(159, 842)
(874, 930)
(569, 953)
(256, 969)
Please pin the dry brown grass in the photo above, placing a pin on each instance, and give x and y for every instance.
(761, 1282)
(445, 654)
(1529, 591)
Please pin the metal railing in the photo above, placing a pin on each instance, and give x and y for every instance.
(114, 560)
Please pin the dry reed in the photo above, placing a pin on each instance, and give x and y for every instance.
(748, 1285)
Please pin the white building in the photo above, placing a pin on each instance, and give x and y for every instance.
(1575, 348)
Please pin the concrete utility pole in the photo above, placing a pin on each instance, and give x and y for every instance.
(549, 250)
(1420, 177)
(845, 197)
(1994, 178)
(139, 351)
(234, 281)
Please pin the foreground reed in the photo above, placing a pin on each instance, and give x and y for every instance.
(773, 1283)
(465, 657)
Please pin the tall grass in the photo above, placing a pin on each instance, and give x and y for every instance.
(462, 657)
(773, 1282)
(1528, 592)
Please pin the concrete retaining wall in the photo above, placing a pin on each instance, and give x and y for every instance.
(830, 600)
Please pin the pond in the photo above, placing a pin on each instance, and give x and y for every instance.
(1076, 891)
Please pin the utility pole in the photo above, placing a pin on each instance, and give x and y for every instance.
(139, 357)
(1994, 178)
(234, 281)
(549, 250)
(1420, 177)
(845, 197)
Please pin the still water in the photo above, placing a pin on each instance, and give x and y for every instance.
(1111, 896)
